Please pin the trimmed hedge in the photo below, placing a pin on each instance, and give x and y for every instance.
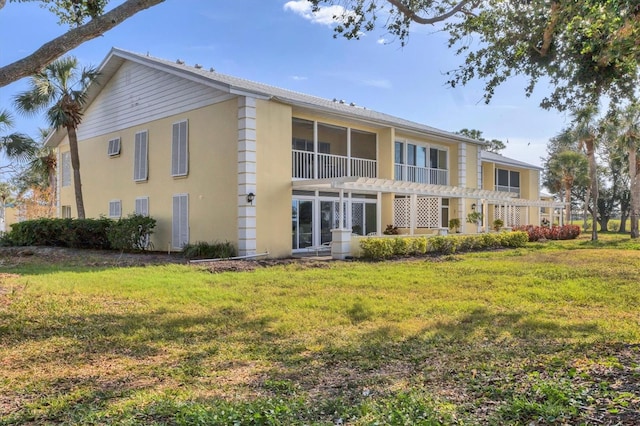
(205, 250)
(102, 233)
(385, 248)
(537, 233)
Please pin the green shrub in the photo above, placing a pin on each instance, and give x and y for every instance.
(73, 233)
(131, 233)
(204, 250)
(385, 248)
(377, 248)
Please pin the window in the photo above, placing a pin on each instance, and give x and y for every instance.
(115, 209)
(507, 181)
(66, 212)
(142, 206)
(180, 221)
(399, 155)
(438, 158)
(180, 150)
(114, 147)
(66, 168)
(141, 155)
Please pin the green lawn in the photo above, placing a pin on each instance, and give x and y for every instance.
(548, 334)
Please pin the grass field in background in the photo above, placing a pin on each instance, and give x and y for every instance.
(547, 334)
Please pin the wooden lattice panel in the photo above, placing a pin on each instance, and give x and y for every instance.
(401, 212)
(428, 212)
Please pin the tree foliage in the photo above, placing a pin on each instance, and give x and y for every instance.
(88, 19)
(60, 91)
(493, 145)
(584, 49)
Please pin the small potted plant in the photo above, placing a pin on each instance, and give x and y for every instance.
(498, 224)
(391, 230)
(454, 224)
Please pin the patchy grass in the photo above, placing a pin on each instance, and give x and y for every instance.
(547, 334)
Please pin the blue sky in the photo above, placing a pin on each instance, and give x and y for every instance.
(280, 42)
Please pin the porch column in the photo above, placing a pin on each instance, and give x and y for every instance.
(507, 214)
(379, 213)
(315, 150)
(485, 214)
(349, 153)
(349, 213)
(341, 223)
(526, 216)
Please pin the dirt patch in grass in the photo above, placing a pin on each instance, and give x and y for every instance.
(11, 257)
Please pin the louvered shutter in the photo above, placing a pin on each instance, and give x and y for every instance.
(180, 222)
(141, 167)
(179, 150)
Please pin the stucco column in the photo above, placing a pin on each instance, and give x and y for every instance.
(247, 162)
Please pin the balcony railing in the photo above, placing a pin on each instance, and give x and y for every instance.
(330, 166)
(421, 174)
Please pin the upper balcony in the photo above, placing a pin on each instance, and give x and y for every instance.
(309, 165)
(419, 174)
(321, 151)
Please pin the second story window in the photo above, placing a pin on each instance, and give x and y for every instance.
(508, 181)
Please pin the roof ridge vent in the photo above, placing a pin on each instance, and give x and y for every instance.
(179, 62)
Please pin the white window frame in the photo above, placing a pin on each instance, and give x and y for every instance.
(65, 170)
(180, 148)
(115, 209)
(141, 157)
(142, 206)
(65, 212)
(180, 221)
(113, 150)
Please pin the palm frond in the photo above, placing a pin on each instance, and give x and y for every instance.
(18, 146)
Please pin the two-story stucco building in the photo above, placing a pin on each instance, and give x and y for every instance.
(213, 157)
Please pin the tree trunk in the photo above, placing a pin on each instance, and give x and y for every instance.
(591, 154)
(634, 184)
(623, 222)
(585, 211)
(567, 201)
(53, 49)
(75, 165)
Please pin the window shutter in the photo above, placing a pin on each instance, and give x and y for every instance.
(180, 222)
(115, 209)
(179, 150)
(114, 147)
(142, 206)
(66, 168)
(141, 166)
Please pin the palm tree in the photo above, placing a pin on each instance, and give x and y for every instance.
(60, 90)
(586, 133)
(627, 127)
(40, 171)
(568, 168)
(15, 146)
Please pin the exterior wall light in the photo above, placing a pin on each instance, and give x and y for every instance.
(473, 207)
(250, 197)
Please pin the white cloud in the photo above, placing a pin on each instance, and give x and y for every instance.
(298, 78)
(325, 16)
(382, 40)
(380, 84)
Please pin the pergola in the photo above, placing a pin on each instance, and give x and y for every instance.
(505, 200)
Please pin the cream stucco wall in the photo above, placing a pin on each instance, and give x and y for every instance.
(273, 190)
(212, 141)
